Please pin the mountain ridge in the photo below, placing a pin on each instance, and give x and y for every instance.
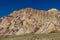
(28, 20)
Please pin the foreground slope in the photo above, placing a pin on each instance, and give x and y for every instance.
(54, 36)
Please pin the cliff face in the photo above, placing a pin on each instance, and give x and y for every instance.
(29, 20)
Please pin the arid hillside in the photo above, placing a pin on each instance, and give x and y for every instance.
(28, 20)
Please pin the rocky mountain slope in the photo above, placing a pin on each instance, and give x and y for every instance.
(28, 20)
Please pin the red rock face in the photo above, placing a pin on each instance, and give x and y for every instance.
(0, 20)
(30, 21)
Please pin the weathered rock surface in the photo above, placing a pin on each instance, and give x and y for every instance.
(29, 20)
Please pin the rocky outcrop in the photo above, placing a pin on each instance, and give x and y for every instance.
(30, 20)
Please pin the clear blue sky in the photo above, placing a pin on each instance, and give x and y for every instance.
(7, 6)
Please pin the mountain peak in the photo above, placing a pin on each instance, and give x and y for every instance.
(52, 10)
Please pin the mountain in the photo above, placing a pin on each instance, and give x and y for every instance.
(28, 20)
